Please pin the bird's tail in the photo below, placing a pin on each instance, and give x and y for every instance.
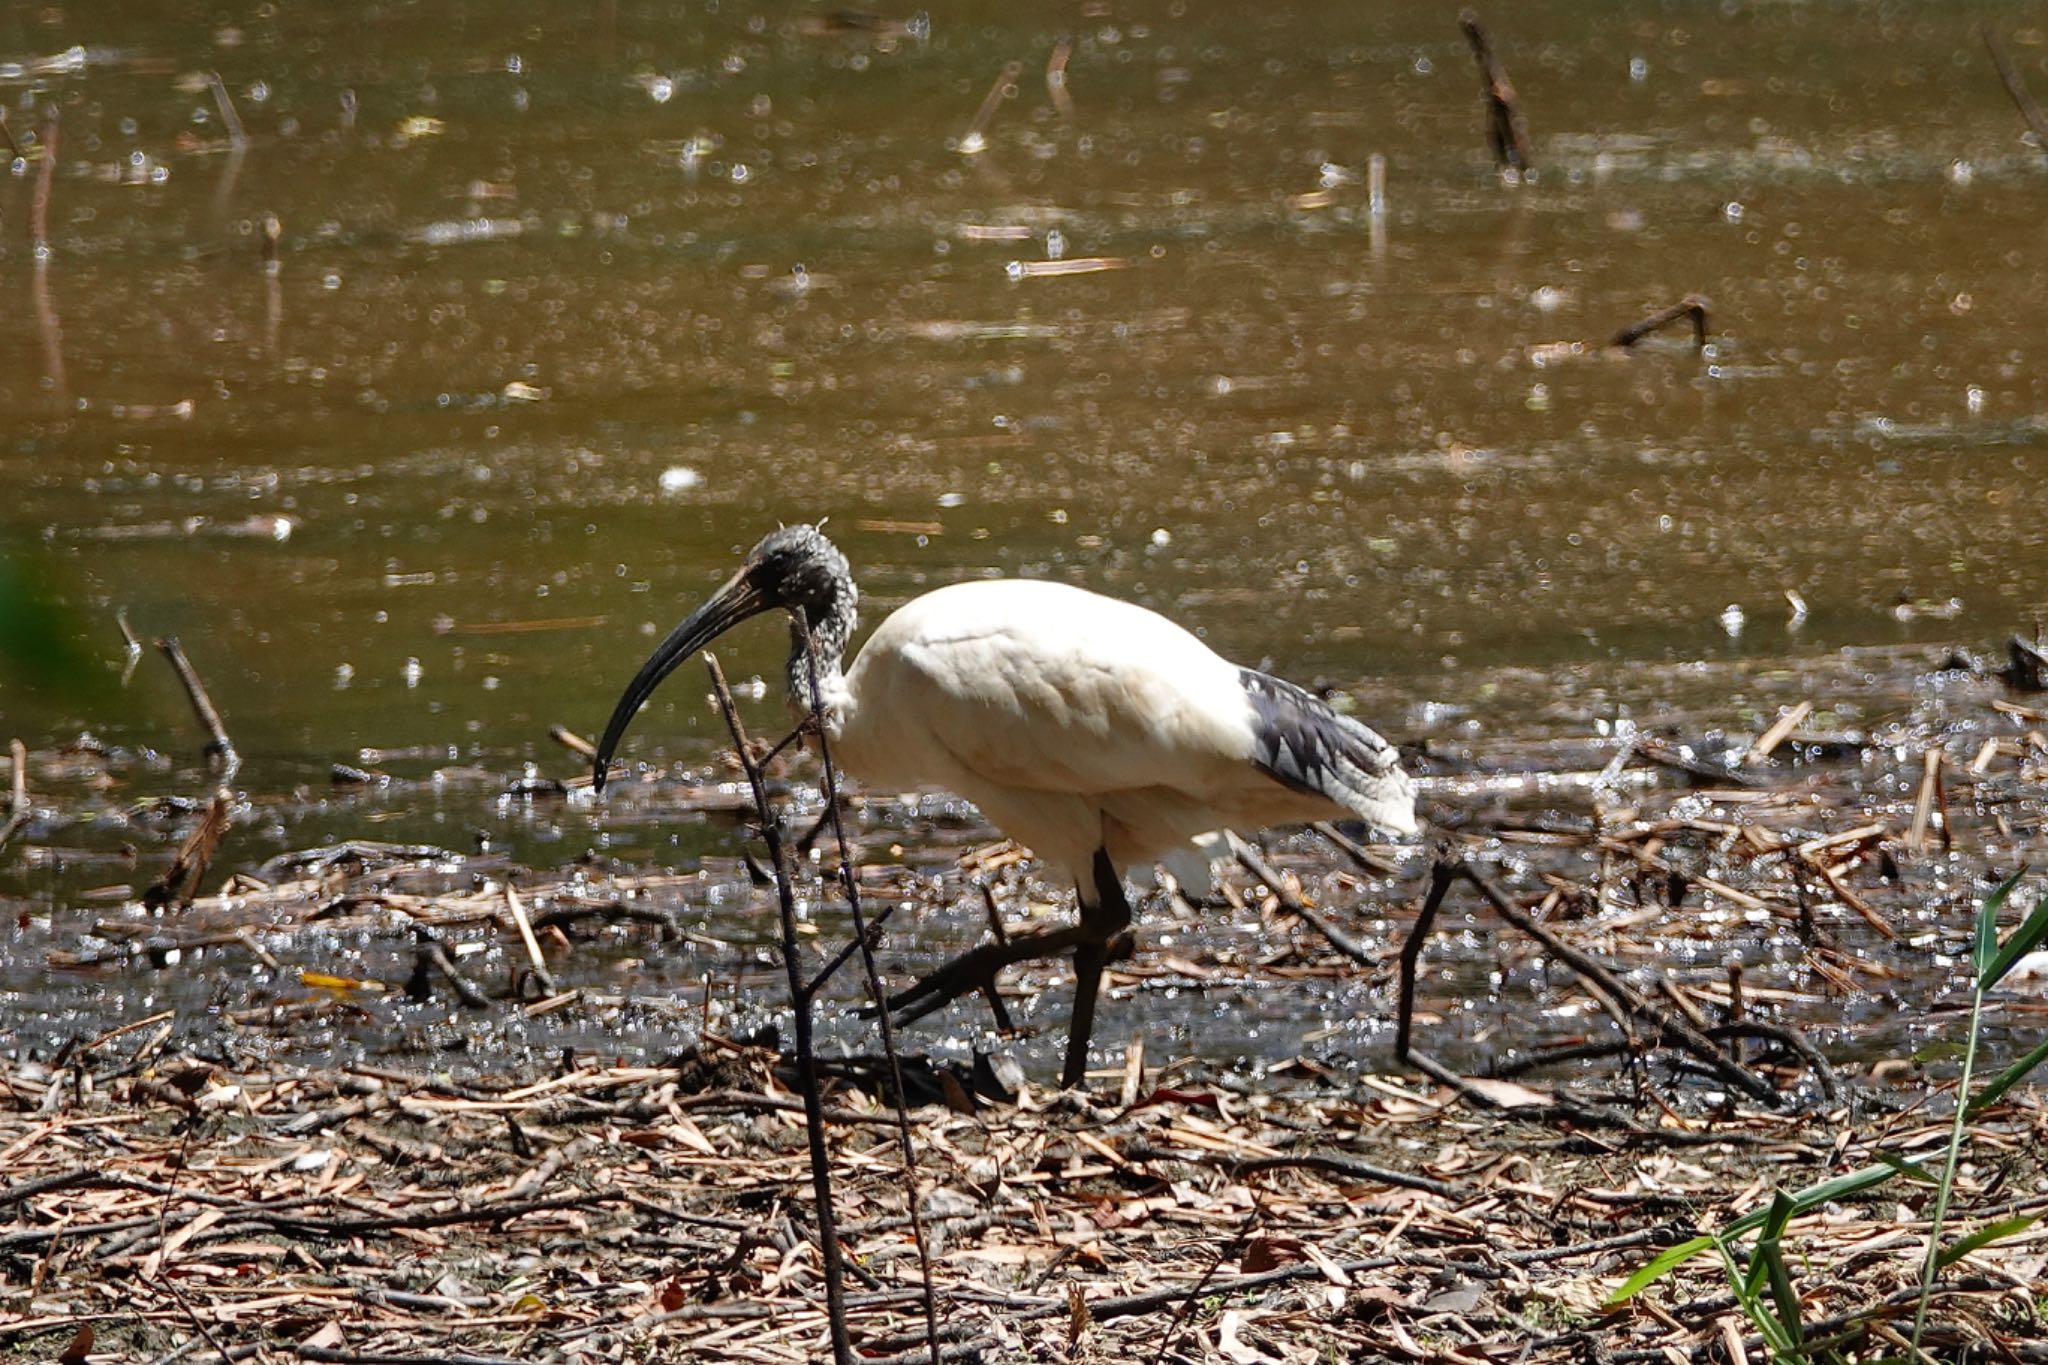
(1300, 742)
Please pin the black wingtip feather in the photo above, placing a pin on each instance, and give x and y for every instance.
(1303, 744)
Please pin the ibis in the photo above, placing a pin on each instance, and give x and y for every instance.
(1096, 733)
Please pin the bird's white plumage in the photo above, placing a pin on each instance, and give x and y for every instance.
(1074, 722)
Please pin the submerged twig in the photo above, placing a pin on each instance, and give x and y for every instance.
(46, 174)
(1613, 994)
(1507, 132)
(220, 750)
(180, 881)
(972, 140)
(7, 136)
(2015, 87)
(1343, 942)
(1692, 306)
(1056, 77)
(800, 999)
(17, 805)
(228, 117)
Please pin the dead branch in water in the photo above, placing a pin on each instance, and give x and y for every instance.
(800, 999)
(1616, 996)
(180, 881)
(17, 805)
(220, 750)
(1056, 77)
(228, 117)
(1507, 132)
(46, 174)
(2015, 87)
(1693, 306)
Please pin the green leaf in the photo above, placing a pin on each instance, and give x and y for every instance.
(1987, 926)
(1783, 1294)
(1912, 1170)
(1813, 1196)
(1940, 1050)
(1985, 1236)
(1660, 1265)
(1775, 1218)
(2023, 941)
(2006, 1080)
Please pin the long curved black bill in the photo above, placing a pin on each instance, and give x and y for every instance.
(729, 606)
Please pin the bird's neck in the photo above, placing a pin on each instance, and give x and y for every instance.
(830, 632)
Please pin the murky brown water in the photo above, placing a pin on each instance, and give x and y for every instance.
(571, 308)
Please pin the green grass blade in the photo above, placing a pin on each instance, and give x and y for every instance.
(1987, 926)
(2006, 1080)
(1779, 1278)
(1779, 1214)
(1912, 1170)
(2023, 941)
(1813, 1196)
(1660, 1265)
(1985, 1236)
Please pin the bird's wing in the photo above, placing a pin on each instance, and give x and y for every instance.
(1040, 687)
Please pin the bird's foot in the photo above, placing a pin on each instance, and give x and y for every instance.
(975, 970)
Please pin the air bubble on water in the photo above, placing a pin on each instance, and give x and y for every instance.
(1732, 619)
(661, 89)
(411, 672)
(1973, 399)
(1638, 69)
(1732, 211)
(344, 674)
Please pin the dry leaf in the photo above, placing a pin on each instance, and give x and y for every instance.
(80, 1347)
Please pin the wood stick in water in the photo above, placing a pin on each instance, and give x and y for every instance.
(181, 879)
(219, 748)
(1923, 808)
(1770, 739)
(39, 205)
(1506, 130)
(17, 806)
(573, 742)
(2015, 87)
(973, 140)
(1693, 306)
(1056, 77)
(228, 116)
(7, 136)
(541, 974)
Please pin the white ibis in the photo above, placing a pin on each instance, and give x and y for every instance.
(1096, 733)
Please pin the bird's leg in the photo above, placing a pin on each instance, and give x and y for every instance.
(1105, 930)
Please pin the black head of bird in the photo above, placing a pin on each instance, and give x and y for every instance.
(793, 569)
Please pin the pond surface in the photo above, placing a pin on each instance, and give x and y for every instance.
(569, 307)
